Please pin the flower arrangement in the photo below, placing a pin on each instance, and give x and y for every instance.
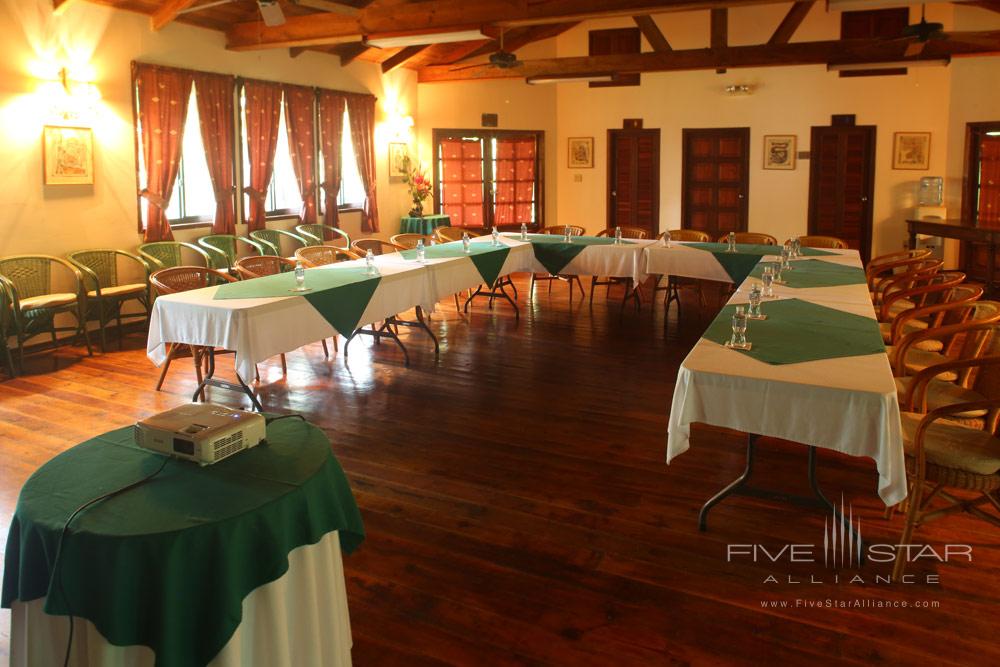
(418, 186)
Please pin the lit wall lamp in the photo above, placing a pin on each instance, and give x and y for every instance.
(738, 90)
(69, 100)
(401, 128)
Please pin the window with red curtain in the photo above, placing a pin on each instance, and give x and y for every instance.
(989, 181)
(515, 181)
(461, 180)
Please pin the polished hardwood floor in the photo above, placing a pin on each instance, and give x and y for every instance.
(519, 510)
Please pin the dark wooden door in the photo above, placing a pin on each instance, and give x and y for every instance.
(715, 180)
(841, 184)
(634, 179)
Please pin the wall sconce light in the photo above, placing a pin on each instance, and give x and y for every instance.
(69, 100)
(738, 90)
(402, 128)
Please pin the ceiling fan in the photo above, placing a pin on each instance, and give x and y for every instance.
(270, 10)
(500, 59)
(920, 34)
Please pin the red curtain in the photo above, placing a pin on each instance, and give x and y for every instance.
(263, 114)
(300, 109)
(989, 182)
(214, 93)
(331, 129)
(361, 111)
(163, 95)
(462, 181)
(515, 181)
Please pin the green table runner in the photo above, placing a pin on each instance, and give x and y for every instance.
(554, 253)
(339, 293)
(797, 331)
(489, 259)
(167, 564)
(739, 264)
(817, 273)
(423, 225)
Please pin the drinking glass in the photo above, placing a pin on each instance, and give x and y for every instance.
(756, 294)
(666, 239)
(738, 340)
(786, 257)
(796, 247)
(767, 277)
(731, 239)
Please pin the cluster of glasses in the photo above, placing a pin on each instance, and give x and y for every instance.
(738, 341)
(786, 257)
(731, 240)
(370, 267)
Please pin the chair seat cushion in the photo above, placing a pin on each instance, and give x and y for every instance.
(941, 394)
(48, 301)
(952, 445)
(913, 325)
(917, 360)
(899, 305)
(119, 290)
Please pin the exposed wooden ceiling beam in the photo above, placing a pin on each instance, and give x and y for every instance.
(350, 52)
(296, 51)
(652, 32)
(330, 6)
(60, 6)
(793, 19)
(518, 38)
(759, 55)
(720, 32)
(440, 15)
(400, 57)
(167, 12)
(992, 5)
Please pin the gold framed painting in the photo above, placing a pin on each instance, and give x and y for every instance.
(779, 151)
(581, 153)
(67, 155)
(911, 150)
(397, 162)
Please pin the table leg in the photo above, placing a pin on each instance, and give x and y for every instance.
(498, 291)
(211, 381)
(913, 240)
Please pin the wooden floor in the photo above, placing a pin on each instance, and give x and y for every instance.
(519, 510)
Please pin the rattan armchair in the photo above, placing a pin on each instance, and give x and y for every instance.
(934, 288)
(815, 241)
(449, 234)
(595, 281)
(6, 327)
(952, 307)
(35, 303)
(168, 254)
(377, 246)
(410, 240)
(106, 293)
(270, 239)
(751, 237)
(688, 235)
(918, 273)
(559, 230)
(965, 340)
(885, 266)
(316, 234)
(224, 249)
(318, 255)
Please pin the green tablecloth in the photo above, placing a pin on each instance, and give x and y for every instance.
(798, 331)
(339, 293)
(489, 259)
(554, 253)
(423, 225)
(817, 273)
(167, 564)
(739, 264)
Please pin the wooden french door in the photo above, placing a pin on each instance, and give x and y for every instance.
(842, 183)
(715, 180)
(634, 179)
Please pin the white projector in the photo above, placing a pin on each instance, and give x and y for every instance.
(201, 432)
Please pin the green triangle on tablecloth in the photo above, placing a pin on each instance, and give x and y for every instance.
(817, 273)
(555, 254)
(488, 258)
(339, 293)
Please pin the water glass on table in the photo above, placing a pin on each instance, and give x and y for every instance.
(786, 257)
(738, 341)
(731, 240)
(796, 247)
(767, 277)
(666, 239)
(756, 294)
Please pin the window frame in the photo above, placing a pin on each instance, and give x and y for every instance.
(489, 190)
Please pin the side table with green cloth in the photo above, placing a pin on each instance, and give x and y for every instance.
(168, 564)
(423, 225)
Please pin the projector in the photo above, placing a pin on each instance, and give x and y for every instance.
(201, 432)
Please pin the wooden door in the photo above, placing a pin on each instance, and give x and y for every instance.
(841, 184)
(634, 179)
(715, 180)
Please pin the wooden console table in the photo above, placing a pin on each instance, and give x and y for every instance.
(963, 230)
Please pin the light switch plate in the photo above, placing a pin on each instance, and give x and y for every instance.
(578, 178)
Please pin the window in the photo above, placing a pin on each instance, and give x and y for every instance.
(487, 178)
(352, 190)
(283, 195)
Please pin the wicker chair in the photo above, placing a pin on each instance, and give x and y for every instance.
(449, 234)
(595, 282)
(950, 307)
(933, 289)
(377, 246)
(270, 239)
(918, 273)
(6, 328)
(168, 254)
(686, 235)
(34, 301)
(965, 340)
(183, 279)
(315, 234)
(559, 230)
(831, 242)
(224, 249)
(106, 294)
(410, 240)
(318, 255)
(884, 266)
(751, 237)
(676, 284)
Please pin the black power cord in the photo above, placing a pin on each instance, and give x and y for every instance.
(65, 530)
(271, 420)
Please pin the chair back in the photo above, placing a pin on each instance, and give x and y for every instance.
(263, 265)
(185, 278)
(99, 265)
(815, 241)
(224, 248)
(31, 275)
(315, 234)
(377, 246)
(574, 230)
(270, 239)
(627, 232)
(318, 255)
(751, 237)
(689, 235)
(410, 240)
(449, 234)
(167, 254)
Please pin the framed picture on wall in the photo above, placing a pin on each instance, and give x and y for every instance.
(581, 153)
(779, 151)
(397, 162)
(67, 155)
(911, 150)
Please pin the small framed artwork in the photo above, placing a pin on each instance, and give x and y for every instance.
(911, 150)
(581, 153)
(779, 151)
(67, 155)
(397, 162)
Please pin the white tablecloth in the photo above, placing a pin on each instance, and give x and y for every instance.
(847, 404)
(297, 620)
(607, 260)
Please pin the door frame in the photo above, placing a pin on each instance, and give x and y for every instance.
(867, 218)
(745, 208)
(609, 203)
